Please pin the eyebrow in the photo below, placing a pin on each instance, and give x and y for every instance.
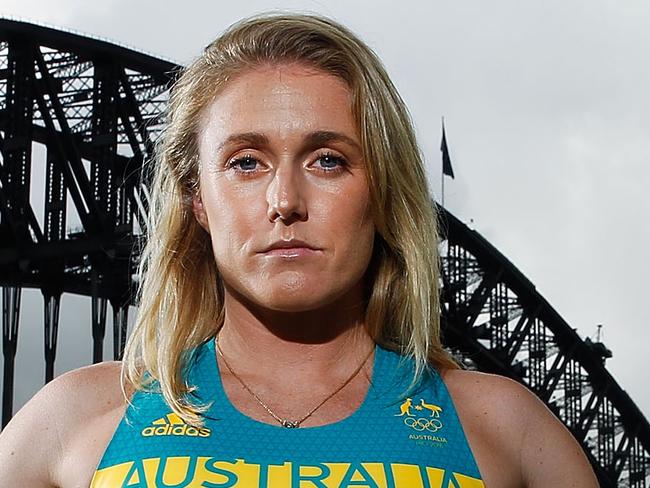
(316, 138)
(320, 137)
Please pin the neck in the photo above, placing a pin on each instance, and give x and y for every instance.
(320, 343)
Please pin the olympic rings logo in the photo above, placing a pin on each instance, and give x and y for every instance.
(420, 424)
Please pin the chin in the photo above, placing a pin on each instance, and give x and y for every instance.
(295, 298)
(298, 294)
(293, 291)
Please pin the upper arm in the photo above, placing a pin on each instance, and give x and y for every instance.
(37, 443)
(550, 455)
(30, 443)
(516, 439)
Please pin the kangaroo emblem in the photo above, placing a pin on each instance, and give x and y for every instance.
(435, 409)
(405, 408)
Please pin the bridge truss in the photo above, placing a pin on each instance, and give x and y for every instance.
(89, 112)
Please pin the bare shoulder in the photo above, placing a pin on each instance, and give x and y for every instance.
(478, 382)
(489, 394)
(91, 389)
(43, 433)
(502, 414)
(82, 393)
(496, 401)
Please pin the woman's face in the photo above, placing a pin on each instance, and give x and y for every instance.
(283, 189)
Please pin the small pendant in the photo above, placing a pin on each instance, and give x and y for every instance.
(289, 424)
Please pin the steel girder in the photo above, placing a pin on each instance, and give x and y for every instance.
(97, 109)
(496, 321)
(94, 110)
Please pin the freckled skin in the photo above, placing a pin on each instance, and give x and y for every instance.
(287, 194)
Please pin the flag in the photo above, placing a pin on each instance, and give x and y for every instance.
(446, 161)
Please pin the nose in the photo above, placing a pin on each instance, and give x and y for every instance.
(285, 195)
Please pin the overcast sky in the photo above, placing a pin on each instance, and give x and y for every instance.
(547, 110)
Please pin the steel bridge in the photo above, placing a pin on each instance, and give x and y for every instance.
(88, 112)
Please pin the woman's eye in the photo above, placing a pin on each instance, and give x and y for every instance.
(329, 162)
(245, 164)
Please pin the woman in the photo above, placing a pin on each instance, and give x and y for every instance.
(288, 329)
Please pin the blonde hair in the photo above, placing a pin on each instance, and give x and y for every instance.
(181, 293)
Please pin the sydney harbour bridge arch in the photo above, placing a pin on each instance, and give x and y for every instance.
(89, 112)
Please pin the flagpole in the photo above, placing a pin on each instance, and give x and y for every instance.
(446, 161)
(442, 170)
(443, 188)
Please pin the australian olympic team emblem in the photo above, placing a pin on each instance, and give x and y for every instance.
(431, 423)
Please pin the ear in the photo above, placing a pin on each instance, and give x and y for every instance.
(199, 212)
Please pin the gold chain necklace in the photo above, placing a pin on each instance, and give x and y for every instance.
(290, 424)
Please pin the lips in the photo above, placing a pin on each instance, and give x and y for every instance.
(292, 244)
(290, 250)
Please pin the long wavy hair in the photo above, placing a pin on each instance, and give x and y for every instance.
(181, 298)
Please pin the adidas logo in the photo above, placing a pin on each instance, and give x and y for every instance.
(172, 424)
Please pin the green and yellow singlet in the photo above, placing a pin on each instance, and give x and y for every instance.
(395, 439)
